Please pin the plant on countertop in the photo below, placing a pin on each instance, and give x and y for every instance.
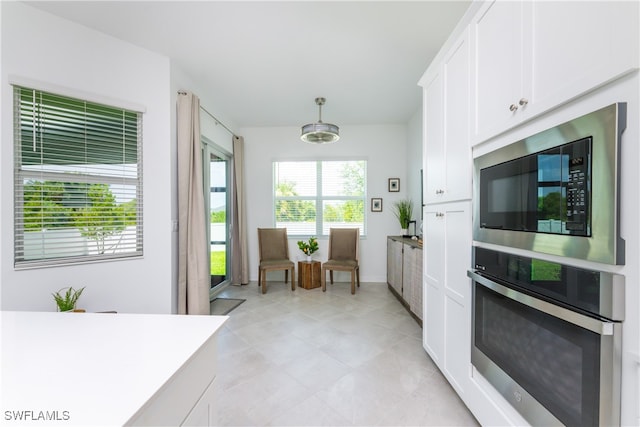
(403, 210)
(308, 247)
(68, 300)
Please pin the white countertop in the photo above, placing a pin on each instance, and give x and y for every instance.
(89, 368)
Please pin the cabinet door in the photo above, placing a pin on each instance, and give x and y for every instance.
(408, 267)
(202, 413)
(457, 295)
(457, 74)
(433, 151)
(433, 244)
(394, 265)
(447, 309)
(567, 57)
(497, 41)
(433, 283)
(415, 303)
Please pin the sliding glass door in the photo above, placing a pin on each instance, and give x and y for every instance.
(216, 185)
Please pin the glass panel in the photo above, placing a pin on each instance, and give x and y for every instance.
(555, 361)
(218, 218)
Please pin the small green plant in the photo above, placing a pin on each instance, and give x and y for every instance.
(67, 301)
(308, 247)
(403, 210)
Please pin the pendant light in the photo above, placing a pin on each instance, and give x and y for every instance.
(319, 132)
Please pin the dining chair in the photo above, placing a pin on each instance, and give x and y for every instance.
(342, 255)
(274, 255)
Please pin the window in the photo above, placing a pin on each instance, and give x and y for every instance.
(77, 180)
(313, 196)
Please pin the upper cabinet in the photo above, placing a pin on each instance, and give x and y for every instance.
(530, 57)
(447, 155)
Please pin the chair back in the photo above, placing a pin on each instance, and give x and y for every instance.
(343, 244)
(273, 244)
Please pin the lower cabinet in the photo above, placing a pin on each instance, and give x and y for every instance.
(447, 290)
(404, 273)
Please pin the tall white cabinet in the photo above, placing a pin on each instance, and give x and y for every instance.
(447, 214)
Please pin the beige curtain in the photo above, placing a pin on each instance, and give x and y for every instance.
(240, 264)
(194, 279)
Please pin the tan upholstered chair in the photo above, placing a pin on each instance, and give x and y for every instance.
(274, 255)
(343, 255)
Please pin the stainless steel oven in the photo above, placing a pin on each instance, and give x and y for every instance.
(547, 336)
(555, 192)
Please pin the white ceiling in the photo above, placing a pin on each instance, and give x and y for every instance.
(263, 63)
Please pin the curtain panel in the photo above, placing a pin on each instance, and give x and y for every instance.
(240, 265)
(194, 279)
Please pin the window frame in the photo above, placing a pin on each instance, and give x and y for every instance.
(319, 198)
(70, 175)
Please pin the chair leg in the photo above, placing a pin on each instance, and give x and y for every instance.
(323, 279)
(331, 276)
(353, 283)
(259, 277)
(293, 282)
(286, 277)
(264, 281)
(358, 276)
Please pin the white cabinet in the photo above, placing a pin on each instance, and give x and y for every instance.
(533, 56)
(447, 290)
(497, 65)
(202, 413)
(446, 119)
(433, 147)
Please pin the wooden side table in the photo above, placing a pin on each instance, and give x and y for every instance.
(309, 274)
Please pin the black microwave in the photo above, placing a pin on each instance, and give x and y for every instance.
(555, 192)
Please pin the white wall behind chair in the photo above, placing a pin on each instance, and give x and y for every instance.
(384, 148)
(40, 47)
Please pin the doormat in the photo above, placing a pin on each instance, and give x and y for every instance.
(223, 306)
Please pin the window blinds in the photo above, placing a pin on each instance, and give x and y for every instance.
(77, 180)
(313, 196)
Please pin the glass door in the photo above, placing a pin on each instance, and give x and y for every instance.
(217, 179)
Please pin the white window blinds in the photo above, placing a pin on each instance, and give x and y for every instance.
(77, 180)
(313, 196)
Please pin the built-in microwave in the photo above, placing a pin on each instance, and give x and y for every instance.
(557, 191)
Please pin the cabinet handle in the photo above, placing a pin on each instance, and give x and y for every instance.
(513, 107)
(439, 191)
(523, 101)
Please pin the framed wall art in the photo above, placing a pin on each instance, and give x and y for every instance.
(394, 185)
(376, 205)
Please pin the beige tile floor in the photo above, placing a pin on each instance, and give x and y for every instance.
(307, 358)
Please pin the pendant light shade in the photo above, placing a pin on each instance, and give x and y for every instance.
(319, 132)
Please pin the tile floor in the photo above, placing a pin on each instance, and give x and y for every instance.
(308, 358)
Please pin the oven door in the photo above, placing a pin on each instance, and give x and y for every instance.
(555, 366)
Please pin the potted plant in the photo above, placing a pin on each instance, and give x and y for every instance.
(308, 248)
(403, 210)
(67, 301)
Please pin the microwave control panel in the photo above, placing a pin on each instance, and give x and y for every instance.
(578, 193)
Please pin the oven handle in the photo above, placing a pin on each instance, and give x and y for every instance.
(600, 327)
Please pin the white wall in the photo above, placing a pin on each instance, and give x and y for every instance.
(72, 59)
(384, 148)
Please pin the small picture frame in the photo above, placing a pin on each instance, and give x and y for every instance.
(394, 185)
(376, 205)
